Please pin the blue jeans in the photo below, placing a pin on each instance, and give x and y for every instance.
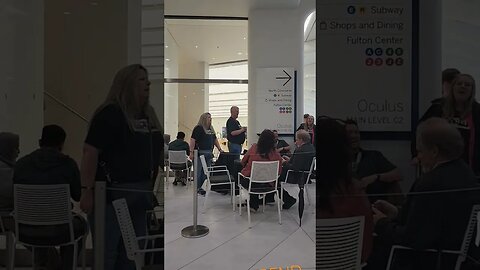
(234, 148)
(115, 257)
(201, 175)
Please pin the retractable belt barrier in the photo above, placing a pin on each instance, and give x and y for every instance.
(195, 230)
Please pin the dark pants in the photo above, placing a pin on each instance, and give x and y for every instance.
(261, 187)
(138, 204)
(48, 256)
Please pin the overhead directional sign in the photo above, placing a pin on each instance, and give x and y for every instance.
(275, 100)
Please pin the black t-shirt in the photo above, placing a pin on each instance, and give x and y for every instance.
(233, 125)
(370, 163)
(203, 140)
(280, 144)
(129, 155)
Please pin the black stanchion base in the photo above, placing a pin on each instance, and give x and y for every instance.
(195, 231)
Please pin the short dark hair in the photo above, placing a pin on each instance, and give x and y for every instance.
(306, 115)
(180, 135)
(449, 74)
(52, 136)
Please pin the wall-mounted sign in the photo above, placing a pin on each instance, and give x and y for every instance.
(364, 62)
(275, 100)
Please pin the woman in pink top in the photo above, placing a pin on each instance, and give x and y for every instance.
(263, 150)
(337, 195)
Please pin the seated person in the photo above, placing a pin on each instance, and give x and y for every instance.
(302, 157)
(338, 196)
(263, 150)
(281, 146)
(49, 166)
(166, 142)
(431, 220)
(9, 145)
(375, 173)
(179, 145)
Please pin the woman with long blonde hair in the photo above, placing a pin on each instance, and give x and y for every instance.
(462, 111)
(124, 146)
(203, 139)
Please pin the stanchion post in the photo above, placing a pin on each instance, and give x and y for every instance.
(195, 231)
(99, 217)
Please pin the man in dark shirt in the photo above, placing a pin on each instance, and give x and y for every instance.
(179, 145)
(235, 133)
(49, 166)
(375, 172)
(281, 145)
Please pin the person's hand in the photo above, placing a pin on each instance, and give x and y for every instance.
(287, 158)
(191, 155)
(377, 215)
(86, 201)
(367, 180)
(387, 208)
(244, 129)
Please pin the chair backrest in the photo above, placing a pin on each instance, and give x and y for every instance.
(472, 224)
(339, 243)
(177, 157)
(312, 168)
(264, 171)
(126, 227)
(204, 165)
(42, 205)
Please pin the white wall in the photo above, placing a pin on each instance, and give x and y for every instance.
(21, 70)
(171, 89)
(275, 39)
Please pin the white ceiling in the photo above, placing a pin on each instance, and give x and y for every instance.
(218, 41)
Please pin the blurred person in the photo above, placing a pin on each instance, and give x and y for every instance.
(263, 150)
(124, 147)
(431, 219)
(463, 112)
(281, 146)
(309, 126)
(9, 150)
(49, 166)
(203, 139)
(338, 196)
(235, 133)
(377, 175)
(180, 145)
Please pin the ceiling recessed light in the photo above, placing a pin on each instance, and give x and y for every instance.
(244, 38)
(196, 46)
(67, 13)
(167, 59)
(94, 3)
(166, 46)
(239, 53)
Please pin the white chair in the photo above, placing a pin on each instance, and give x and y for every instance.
(45, 205)
(130, 239)
(339, 243)
(10, 239)
(216, 175)
(263, 172)
(178, 161)
(309, 174)
(462, 253)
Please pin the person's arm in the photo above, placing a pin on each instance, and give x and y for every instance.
(217, 144)
(238, 131)
(75, 184)
(88, 169)
(192, 146)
